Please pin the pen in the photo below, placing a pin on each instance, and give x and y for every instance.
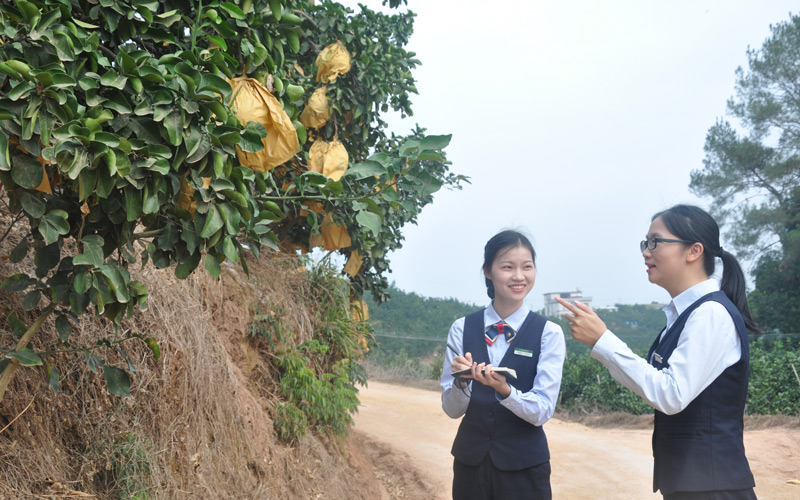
(453, 349)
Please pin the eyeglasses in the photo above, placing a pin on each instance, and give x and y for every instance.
(652, 243)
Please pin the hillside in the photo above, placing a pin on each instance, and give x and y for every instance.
(200, 420)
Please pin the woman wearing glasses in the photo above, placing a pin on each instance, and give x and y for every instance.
(695, 375)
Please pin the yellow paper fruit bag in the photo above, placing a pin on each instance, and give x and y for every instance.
(254, 103)
(328, 158)
(316, 113)
(333, 236)
(354, 263)
(186, 195)
(334, 60)
(360, 312)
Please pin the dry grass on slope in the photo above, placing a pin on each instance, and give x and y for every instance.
(197, 424)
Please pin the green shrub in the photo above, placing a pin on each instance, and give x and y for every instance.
(774, 387)
(586, 384)
(318, 377)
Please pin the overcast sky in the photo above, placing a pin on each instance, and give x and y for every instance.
(583, 117)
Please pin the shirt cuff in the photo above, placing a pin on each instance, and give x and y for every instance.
(512, 396)
(607, 345)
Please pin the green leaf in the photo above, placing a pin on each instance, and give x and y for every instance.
(118, 283)
(370, 221)
(5, 159)
(26, 357)
(32, 205)
(20, 251)
(114, 79)
(84, 24)
(31, 300)
(82, 281)
(251, 138)
(367, 168)
(20, 90)
(18, 327)
(229, 249)
(119, 383)
(185, 268)
(52, 377)
(47, 258)
(133, 203)
(202, 150)
(232, 10)
(173, 126)
(26, 171)
(435, 142)
(213, 223)
(17, 283)
(212, 265)
(275, 7)
(53, 225)
(93, 361)
(218, 41)
(63, 327)
(92, 255)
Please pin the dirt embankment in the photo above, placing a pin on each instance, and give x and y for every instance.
(408, 431)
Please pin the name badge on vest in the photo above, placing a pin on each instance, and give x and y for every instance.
(523, 352)
(657, 357)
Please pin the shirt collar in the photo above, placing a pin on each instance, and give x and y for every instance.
(516, 319)
(688, 297)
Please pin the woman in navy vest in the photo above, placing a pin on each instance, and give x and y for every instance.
(695, 375)
(500, 450)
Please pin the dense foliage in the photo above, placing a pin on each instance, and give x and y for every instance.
(774, 375)
(753, 179)
(318, 377)
(121, 142)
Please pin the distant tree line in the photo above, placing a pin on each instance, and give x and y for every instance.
(411, 331)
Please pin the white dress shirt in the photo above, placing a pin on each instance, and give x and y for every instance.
(535, 406)
(707, 346)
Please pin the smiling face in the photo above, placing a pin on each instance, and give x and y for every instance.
(513, 274)
(670, 265)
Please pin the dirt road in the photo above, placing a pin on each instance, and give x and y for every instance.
(585, 460)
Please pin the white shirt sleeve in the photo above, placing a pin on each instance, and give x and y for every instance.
(707, 346)
(537, 405)
(454, 400)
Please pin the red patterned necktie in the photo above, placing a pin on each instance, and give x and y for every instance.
(500, 328)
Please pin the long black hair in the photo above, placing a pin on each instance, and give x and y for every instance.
(504, 240)
(692, 223)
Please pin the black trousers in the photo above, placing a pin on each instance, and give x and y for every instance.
(747, 494)
(486, 482)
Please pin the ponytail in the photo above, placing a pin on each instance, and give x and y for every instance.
(692, 223)
(733, 284)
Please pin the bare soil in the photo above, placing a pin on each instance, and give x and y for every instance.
(408, 435)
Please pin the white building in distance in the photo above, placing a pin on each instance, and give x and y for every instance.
(553, 309)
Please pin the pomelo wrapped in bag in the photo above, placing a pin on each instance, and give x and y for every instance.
(328, 158)
(360, 312)
(332, 237)
(334, 60)
(316, 113)
(354, 263)
(186, 196)
(254, 103)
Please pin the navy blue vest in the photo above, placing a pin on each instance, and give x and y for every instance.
(701, 448)
(489, 427)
